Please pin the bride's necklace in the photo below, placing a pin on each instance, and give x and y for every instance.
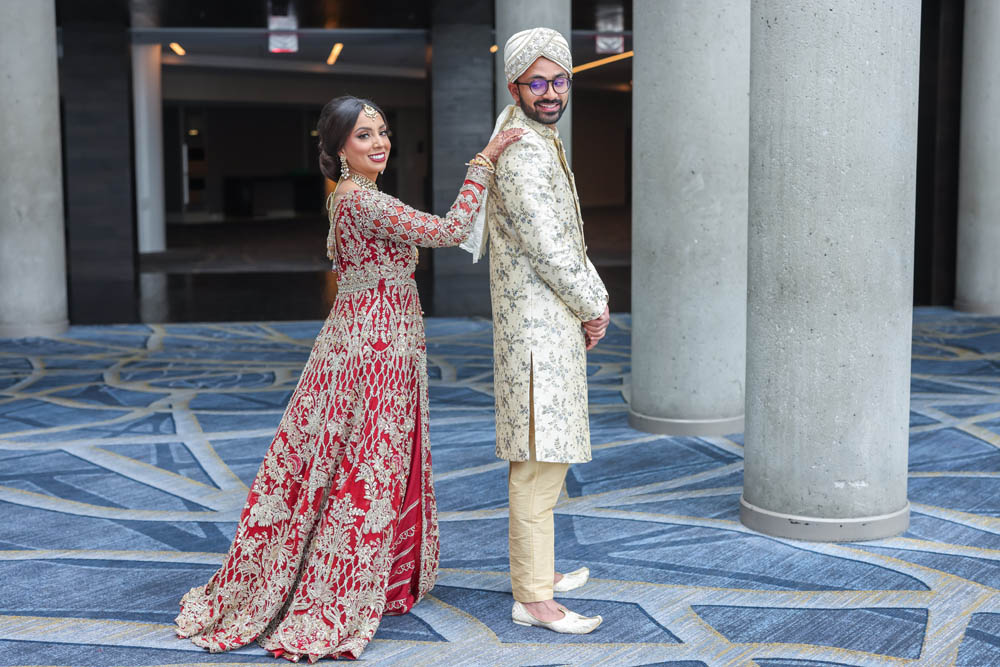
(363, 181)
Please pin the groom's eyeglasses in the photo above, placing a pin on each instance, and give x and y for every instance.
(560, 84)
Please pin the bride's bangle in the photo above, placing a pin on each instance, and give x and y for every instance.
(481, 161)
(489, 161)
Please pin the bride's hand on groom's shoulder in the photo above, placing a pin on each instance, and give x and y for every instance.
(500, 142)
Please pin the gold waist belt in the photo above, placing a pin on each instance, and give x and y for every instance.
(348, 286)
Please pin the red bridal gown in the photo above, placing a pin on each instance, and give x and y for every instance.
(340, 526)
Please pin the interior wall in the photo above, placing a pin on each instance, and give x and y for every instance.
(602, 166)
(461, 72)
(938, 128)
(95, 86)
(173, 138)
(198, 84)
(602, 121)
(410, 154)
(256, 126)
(255, 142)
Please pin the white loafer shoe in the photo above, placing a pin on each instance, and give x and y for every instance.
(572, 580)
(571, 623)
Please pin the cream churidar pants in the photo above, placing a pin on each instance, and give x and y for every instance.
(533, 487)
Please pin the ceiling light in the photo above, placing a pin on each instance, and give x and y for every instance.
(494, 48)
(177, 48)
(603, 61)
(334, 53)
(192, 132)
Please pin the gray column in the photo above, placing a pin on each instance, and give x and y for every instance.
(516, 15)
(462, 119)
(977, 279)
(32, 254)
(147, 113)
(833, 126)
(689, 220)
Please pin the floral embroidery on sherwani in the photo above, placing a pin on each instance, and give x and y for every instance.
(543, 288)
(340, 526)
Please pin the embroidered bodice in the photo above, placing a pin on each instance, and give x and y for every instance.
(373, 235)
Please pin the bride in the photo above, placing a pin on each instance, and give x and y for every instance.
(340, 526)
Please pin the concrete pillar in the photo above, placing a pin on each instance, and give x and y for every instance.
(515, 15)
(462, 120)
(689, 220)
(32, 252)
(833, 126)
(977, 279)
(147, 112)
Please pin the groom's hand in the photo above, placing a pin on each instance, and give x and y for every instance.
(595, 329)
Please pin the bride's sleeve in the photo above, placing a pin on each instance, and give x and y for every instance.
(394, 220)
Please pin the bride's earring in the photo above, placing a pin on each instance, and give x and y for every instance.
(345, 173)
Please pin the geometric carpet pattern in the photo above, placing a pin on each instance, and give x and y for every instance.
(126, 451)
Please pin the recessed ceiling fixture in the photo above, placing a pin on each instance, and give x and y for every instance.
(610, 23)
(177, 48)
(282, 24)
(603, 61)
(334, 53)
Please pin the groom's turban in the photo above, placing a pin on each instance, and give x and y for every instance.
(527, 46)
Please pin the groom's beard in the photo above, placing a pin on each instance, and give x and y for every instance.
(544, 117)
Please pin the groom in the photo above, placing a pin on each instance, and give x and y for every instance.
(549, 307)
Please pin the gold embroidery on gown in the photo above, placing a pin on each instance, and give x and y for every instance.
(340, 526)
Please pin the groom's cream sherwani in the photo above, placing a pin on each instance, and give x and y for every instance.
(543, 287)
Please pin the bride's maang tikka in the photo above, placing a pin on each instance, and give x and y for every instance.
(370, 111)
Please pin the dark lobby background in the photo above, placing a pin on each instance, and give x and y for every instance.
(244, 196)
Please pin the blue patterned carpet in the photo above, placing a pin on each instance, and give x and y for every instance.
(125, 453)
